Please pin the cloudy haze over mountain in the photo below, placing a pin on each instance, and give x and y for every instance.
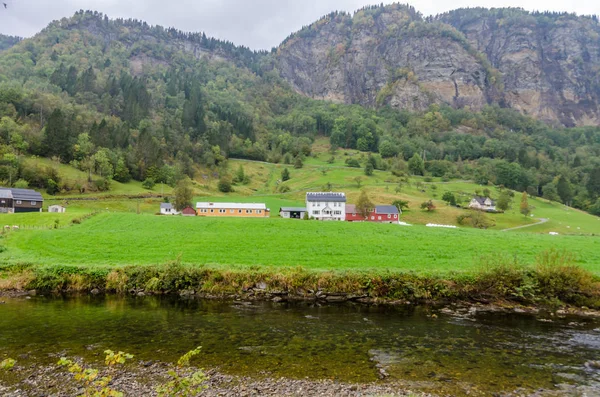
(258, 24)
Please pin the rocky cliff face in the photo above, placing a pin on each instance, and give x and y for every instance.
(550, 64)
(545, 66)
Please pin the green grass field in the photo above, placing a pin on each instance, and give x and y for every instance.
(129, 239)
(319, 174)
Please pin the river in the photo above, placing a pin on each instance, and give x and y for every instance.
(421, 347)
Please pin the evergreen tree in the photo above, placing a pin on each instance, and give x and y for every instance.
(57, 141)
(285, 175)
(71, 81)
(564, 190)
(416, 165)
(593, 185)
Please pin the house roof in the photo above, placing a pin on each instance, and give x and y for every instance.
(481, 200)
(350, 209)
(166, 206)
(25, 194)
(232, 206)
(386, 209)
(188, 210)
(5, 193)
(330, 197)
(292, 209)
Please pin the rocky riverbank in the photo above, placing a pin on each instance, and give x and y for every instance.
(142, 379)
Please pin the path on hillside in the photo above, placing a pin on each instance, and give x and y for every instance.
(541, 222)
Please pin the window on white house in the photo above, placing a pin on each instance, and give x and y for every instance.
(316, 212)
(338, 212)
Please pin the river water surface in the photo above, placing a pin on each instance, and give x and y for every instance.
(419, 347)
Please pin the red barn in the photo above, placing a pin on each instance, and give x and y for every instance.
(189, 211)
(381, 213)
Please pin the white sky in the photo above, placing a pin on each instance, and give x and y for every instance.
(258, 24)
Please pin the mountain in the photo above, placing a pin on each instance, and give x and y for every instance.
(121, 99)
(544, 65)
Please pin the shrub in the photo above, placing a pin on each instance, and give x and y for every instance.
(7, 364)
(225, 185)
(369, 169)
(428, 206)
(298, 163)
(354, 163)
(149, 183)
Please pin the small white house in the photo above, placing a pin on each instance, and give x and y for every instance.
(57, 209)
(326, 206)
(167, 209)
(482, 204)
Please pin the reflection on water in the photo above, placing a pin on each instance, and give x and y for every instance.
(354, 343)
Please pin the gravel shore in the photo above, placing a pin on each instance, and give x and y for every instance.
(142, 378)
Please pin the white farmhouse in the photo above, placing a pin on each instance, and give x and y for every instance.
(167, 209)
(483, 204)
(326, 206)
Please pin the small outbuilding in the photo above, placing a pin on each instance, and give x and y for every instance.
(292, 212)
(188, 211)
(57, 209)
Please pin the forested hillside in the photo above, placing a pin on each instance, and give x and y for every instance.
(120, 99)
(8, 41)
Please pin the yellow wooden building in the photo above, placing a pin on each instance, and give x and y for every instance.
(238, 210)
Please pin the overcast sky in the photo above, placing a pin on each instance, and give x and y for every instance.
(258, 24)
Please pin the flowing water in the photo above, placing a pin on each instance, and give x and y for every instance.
(351, 343)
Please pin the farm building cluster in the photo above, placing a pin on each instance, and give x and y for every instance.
(323, 206)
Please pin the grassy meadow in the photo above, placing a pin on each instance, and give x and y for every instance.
(110, 239)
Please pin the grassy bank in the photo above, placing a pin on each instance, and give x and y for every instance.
(120, 239)
(554, 280)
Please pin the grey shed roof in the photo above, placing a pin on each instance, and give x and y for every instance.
(386, 209)
(166, 206)
(26, 195)
(331, 197)
(5, 193)
(292, 209)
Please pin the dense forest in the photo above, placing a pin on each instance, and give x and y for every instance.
(124, 100)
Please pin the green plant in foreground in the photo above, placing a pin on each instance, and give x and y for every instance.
(7, 364)
(89, 377)
(182, 384)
